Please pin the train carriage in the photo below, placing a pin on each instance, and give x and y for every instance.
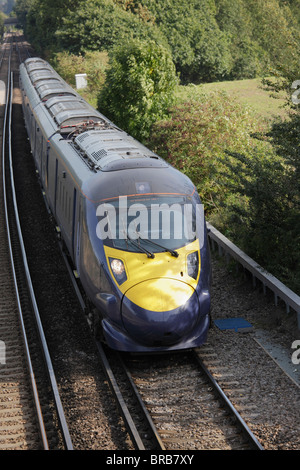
(133, 225)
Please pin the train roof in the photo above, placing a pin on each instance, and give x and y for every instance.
(64, 104)
(100, 144)
(111, 150)
(90, 144)
(65, 109)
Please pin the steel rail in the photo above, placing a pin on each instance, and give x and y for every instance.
(143, 408)
(127, 418)
(228, 403)
(130, 426)
(26, 346)
(50, 370)
(59, 408)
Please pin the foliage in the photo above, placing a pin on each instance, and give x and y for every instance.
(137, 8)
(21, 10)
(271, 222)
(93, 63)
(248, 179)
(1, 25)
(41, 18)
(277, 32)
(139, 86)
(262, 215)
(249, 58)
(197, 135)
(199, 48)
(209, 40)
(262, 212)
(99, 25)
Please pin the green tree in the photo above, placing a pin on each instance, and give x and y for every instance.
(41, 18)
(276, 32)
(139, 86)
(209, 39)
(248, 57)
(101, 24)
(199, 48)
(21, 10)
(263, 213)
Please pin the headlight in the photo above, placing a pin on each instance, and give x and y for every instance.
(118, 269)
(193, 264)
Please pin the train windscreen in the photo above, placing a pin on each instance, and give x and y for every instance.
(152, 223)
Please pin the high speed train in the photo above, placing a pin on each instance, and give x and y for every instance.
(133, 225)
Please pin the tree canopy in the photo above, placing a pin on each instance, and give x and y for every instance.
(209, 40)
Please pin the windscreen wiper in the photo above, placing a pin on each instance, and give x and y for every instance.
(137, 245)
(148, 253)
(173, 252)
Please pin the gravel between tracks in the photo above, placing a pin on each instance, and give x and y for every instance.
(267, 399)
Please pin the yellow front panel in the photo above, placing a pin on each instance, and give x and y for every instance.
(139, 268)
(160, 295)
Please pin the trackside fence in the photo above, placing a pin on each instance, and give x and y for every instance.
(227, 248)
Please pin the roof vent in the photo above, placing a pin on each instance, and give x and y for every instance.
(97, 145)
(111, 150)
(100, 154)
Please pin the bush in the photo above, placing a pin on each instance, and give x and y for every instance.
(139, 86)
(196, 136)
(248, 180)
(93, 64)
(267, 226)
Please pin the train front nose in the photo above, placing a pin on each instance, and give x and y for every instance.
(160, 311)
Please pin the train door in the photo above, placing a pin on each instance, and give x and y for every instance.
(45, 157)
(55, 182)
(32, 134)
(74, 221)
(47, 166)
(39, 143)
(78, 239)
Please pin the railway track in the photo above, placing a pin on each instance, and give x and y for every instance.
(31, 412)
(155, 387)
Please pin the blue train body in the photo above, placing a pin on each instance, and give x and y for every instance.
(133, 225)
